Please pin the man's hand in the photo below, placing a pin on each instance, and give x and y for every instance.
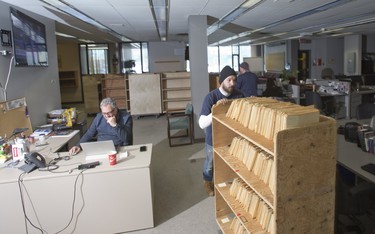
(222, 101)
(112, 121)
(74, 150)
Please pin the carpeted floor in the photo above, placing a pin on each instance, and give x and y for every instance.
(180, 202)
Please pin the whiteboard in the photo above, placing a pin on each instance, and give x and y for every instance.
(255, 63)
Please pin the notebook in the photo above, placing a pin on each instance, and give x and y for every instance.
(98, 149)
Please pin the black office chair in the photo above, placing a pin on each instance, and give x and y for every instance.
(365, 110)
(313, 98)
(325, 105)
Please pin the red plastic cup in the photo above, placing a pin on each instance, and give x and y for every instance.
(112, 157)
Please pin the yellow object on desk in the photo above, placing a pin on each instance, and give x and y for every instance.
(4, 158)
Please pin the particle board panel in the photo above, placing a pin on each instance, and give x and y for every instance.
(145, 94)
(305, 181)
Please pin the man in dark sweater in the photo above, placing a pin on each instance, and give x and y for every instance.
(247, 81)
(111, 124)
(220, 95)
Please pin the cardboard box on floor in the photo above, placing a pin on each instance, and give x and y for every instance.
(13, 114)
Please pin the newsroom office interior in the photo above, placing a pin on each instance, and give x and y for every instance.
(40, 82)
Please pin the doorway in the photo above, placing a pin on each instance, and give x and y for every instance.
(303, 64)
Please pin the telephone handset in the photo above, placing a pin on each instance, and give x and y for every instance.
(33, 160)
(37, 159)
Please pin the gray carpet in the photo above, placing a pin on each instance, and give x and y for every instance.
(180, 202)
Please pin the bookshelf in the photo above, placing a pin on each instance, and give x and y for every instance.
(115, 86)
(176, 91)
(68, 79)
(298, 195)
(92, 92)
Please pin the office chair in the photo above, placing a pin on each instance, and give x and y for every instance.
(326, 106)
(327, 73)
(178, 121)
(365, 110)
(313, 98)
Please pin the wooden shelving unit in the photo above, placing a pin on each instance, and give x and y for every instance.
(176, 90)
(302, 198)
(68, 78)
(115, 86)
(92, 92)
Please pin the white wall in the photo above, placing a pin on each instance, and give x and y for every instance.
(353, 45)
(370, 44)
(166, 56)
(40, 85)
(329, 51)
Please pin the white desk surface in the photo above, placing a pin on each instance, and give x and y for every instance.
(135, 159)
(54, 143)
(351, 156)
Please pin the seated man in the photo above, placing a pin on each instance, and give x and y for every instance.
(111, 124)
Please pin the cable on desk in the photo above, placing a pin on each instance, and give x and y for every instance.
(74, 201)
(20, 181)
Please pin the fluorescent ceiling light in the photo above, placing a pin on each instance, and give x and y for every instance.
(234, 14)
(86, 41)
(160, 12)
(72, 11)
(318, 9)
(64, 35)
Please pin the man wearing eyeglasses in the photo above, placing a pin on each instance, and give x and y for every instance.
(111, 124)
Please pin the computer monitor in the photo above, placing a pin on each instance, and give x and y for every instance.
(356, 80)
(341, 77)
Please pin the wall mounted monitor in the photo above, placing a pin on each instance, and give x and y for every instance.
(29, 40)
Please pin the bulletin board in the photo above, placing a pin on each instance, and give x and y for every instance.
(13, 114)
(275, 61)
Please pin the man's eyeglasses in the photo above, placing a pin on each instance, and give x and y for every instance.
(108, 113)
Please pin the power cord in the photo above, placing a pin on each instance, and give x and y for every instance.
(27, 220)
(20, 181)
(73, 205)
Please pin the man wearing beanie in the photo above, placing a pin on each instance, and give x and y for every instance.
(247, 81)
(220, 95)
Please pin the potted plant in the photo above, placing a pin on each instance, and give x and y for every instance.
(289, 76)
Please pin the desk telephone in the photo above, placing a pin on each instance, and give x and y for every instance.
(33, 161)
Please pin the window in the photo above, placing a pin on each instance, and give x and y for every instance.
(220, 56)
(134, 57)
(94, 58)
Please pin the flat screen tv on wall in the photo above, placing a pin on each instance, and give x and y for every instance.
(29, 40)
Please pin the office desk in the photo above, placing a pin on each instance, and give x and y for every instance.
(354, 99)
(56, 143)
(352, 158)
(108, 199)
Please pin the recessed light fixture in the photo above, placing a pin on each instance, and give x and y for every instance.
(64, 35)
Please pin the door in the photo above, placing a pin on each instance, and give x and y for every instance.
(303, 64)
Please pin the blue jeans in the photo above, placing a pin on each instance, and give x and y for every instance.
(208, 171)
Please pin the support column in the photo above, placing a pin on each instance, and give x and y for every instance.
(198, 66)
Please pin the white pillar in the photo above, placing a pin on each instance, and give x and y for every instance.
(198, 66)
